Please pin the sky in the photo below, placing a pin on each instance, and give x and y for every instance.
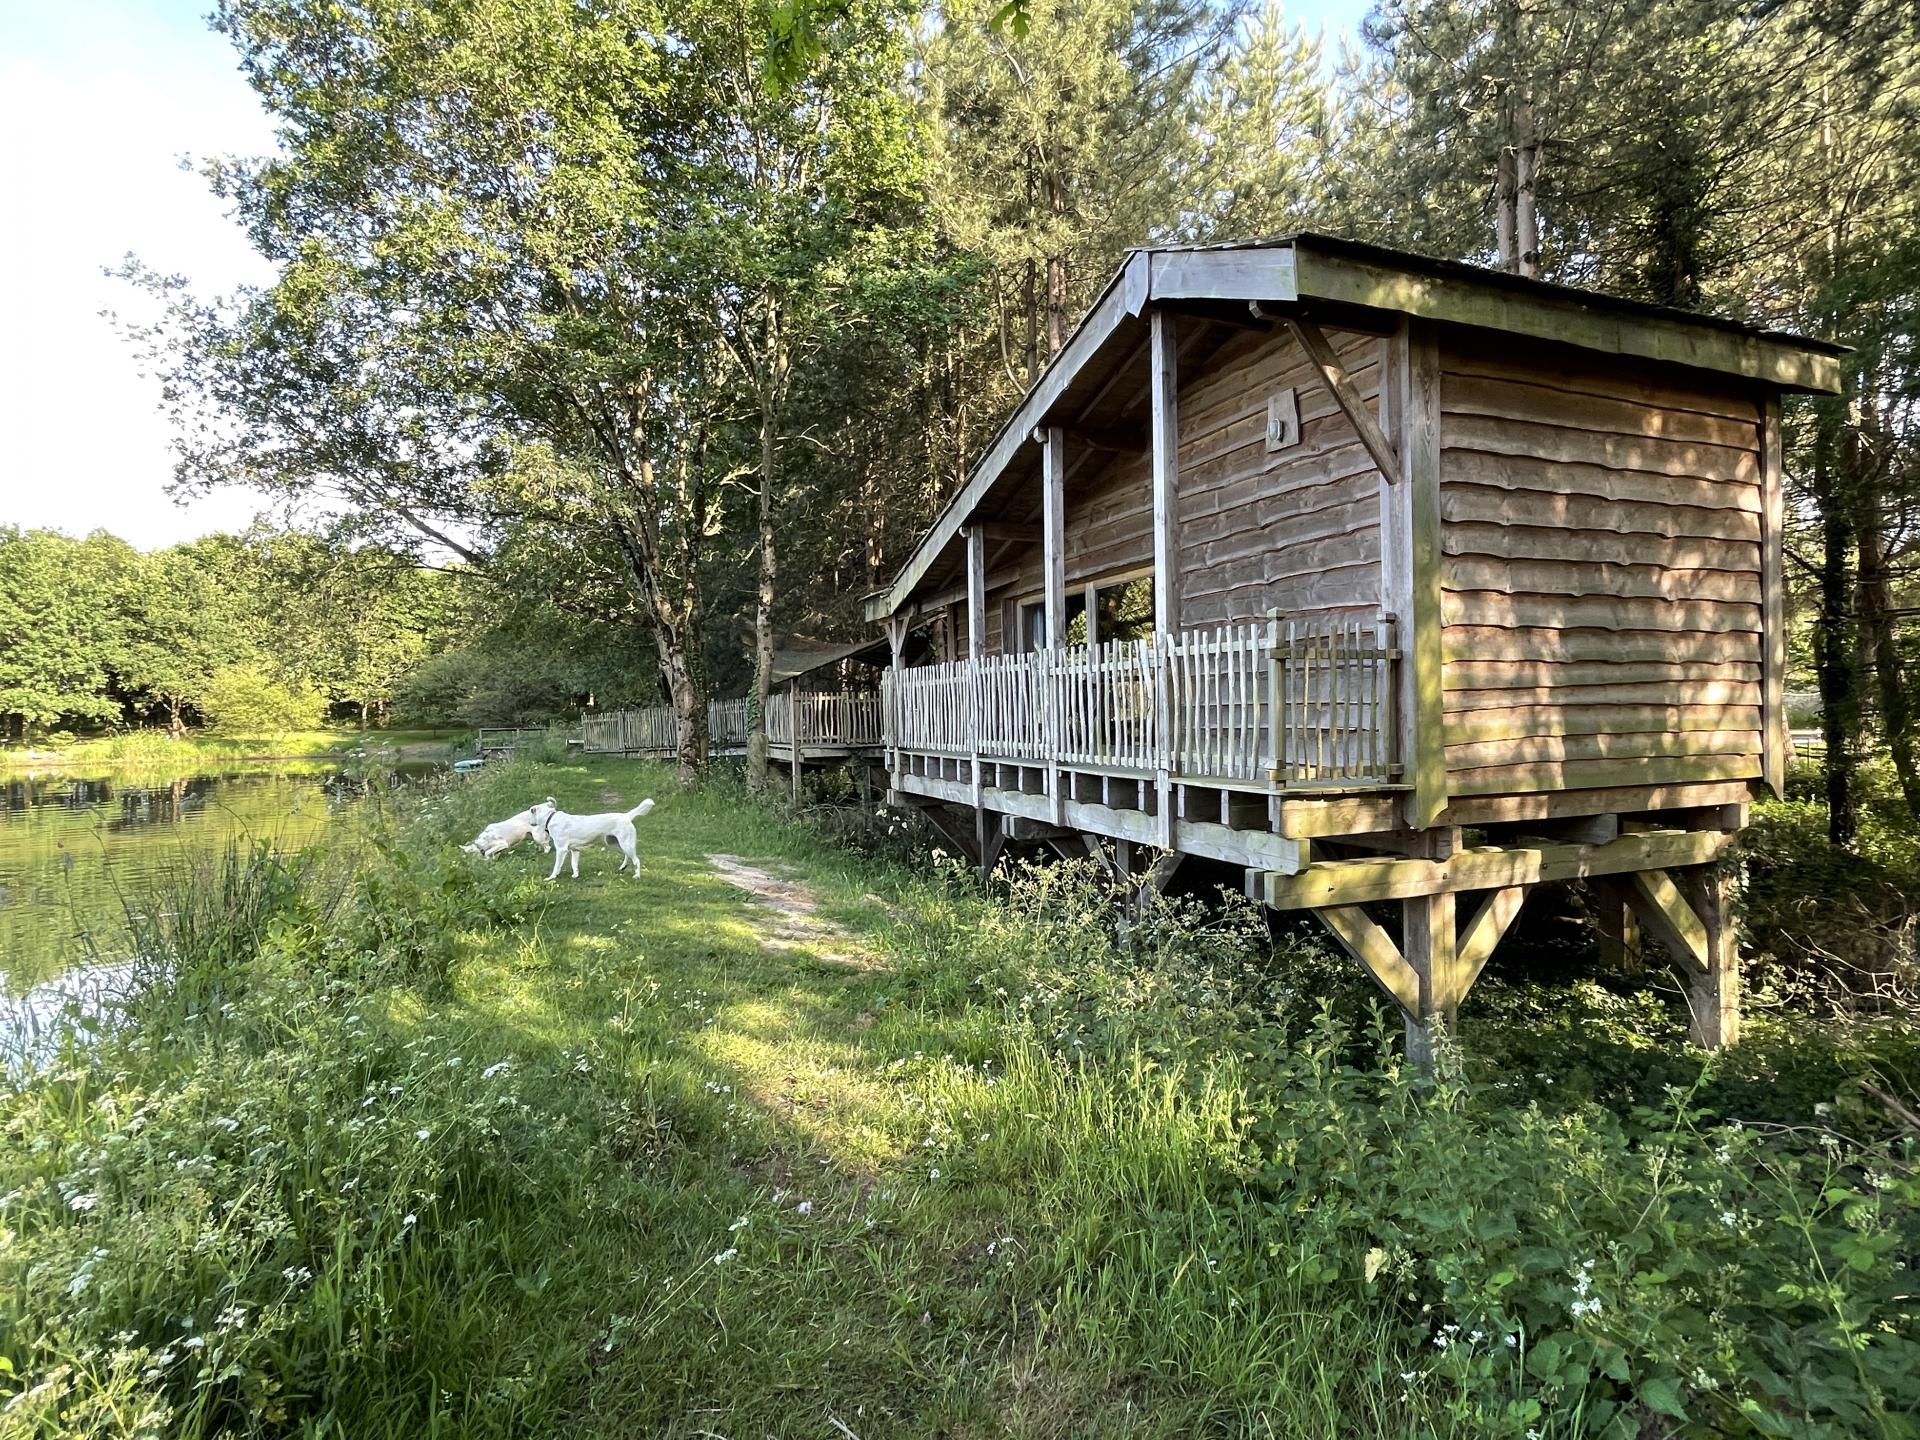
(99, 102)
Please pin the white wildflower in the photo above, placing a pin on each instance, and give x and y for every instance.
(84, 1202)
(725, 1255)
(805, 1207)
(422, 1134)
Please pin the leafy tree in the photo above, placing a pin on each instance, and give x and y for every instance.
(60, 631)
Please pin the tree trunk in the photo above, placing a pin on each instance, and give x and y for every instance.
(1880, 643)
(1057, 321)
(763, 608)
(1526, 223)
(1833, 638)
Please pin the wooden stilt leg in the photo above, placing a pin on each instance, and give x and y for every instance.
(1692, 916)
(1431, 950)
(1713, 996)
(1617, 927)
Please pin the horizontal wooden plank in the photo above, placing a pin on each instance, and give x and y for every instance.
(1355, 545)
(1516, 359)
(1468, 642)
(1461, 502)
(1507, 436)
(1473, 677)
(1576, 697)
(1291, 489)
(1602, 774)
(1572, 578)
(1556, 546)
(1254, 848)
(1341, 513)
(1571, 803)
(1632, 745)
(1594, 612)
(1532, 473)
(1349, 586)
(1359, 882)
(1518, 722)
(1528, 401)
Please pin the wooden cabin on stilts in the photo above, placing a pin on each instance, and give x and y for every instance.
(1402, 586)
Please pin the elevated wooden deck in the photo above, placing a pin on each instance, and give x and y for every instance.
(1190, 742)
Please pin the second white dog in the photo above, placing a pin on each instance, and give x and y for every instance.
(573, 833)
(503, 835)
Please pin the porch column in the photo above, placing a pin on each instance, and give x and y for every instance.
(1165, 388)
(793, 709)
(898, 626)
(1053, 513)
(1166, 474)
(976, 651)
(976, 592)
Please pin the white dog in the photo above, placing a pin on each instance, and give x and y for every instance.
(503, 835)
(573, 833)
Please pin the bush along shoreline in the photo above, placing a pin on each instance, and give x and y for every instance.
(398, 1142)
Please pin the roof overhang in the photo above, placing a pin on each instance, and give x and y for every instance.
(1322, 275)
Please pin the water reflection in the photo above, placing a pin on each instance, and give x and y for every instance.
(74, 848)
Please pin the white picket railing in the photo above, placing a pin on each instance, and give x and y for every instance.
(827, 721)
(1293, 703)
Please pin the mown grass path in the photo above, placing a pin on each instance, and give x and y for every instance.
(818, 1233)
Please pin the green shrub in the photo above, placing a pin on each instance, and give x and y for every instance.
(243, 700)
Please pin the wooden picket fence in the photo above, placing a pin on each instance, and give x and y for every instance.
(827, 721)
(1294, 703)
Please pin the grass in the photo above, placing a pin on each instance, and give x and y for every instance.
(154, 749)
(443, 1150)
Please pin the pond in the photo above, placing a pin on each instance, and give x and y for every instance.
(75, 849)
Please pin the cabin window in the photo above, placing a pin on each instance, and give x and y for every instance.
(1122, 610)
(1033, 622)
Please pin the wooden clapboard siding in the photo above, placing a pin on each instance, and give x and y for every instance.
(1602, 593)
(1296, 530)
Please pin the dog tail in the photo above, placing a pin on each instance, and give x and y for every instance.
(639, 810)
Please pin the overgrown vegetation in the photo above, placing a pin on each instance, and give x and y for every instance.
(422, 1146)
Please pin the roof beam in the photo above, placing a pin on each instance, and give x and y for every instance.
(1340, 385)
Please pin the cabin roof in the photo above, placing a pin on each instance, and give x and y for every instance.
(1096, 385)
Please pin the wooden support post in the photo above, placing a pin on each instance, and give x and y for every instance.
(1776, 745)
(1165, 389)
(1616, 925)
(1164, 386)
(1053, 525)
(1432, 952)
(1053, 515)
(1410, 566)
(976, 592)
(1693, 919)
(976, 647)
(898, 626)
(793, 712)
(1714, 996)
